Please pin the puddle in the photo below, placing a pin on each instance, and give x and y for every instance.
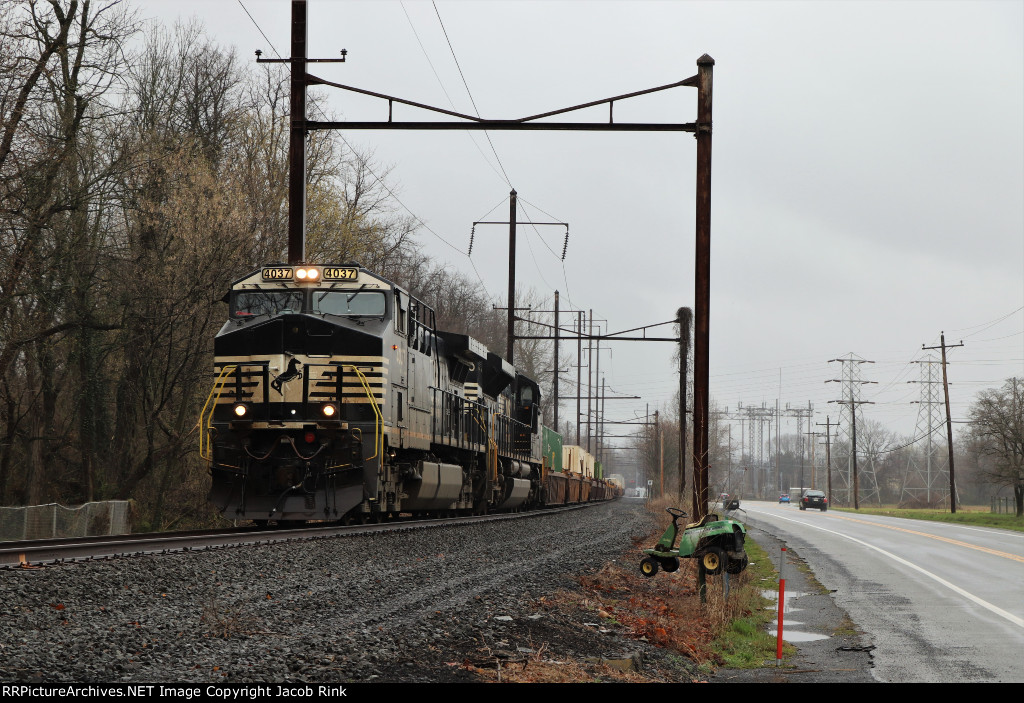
(788, 606)
(790, 595)
(797, 636)
(788, 610)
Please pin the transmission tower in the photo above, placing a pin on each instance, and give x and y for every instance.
(801, 414)
(757, 418)
(856, 478)
(924, 482)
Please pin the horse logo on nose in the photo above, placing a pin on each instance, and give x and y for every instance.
(290, 374)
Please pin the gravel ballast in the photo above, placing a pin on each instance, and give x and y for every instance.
(411, 606)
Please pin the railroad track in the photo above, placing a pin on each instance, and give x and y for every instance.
(32, 553)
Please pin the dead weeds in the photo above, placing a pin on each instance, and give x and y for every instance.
(664, 611)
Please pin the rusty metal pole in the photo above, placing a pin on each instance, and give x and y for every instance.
(554, 382)
(702, 288)
(685, 318)
(511, 276)
(590, 370)
(579, 370)
(297, 139)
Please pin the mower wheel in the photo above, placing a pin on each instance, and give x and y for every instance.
(713, 560)
(735, 566)
(648, 567)
(670, 564)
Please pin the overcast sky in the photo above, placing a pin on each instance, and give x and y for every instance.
(867, 176)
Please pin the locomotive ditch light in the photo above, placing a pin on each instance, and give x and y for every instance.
(241, 415)
(329, 415)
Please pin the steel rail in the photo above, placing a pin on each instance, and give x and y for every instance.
(34, 553)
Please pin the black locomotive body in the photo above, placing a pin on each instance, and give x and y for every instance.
(336, 398)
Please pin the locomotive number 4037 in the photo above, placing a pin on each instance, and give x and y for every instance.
(279, 273)
(335, 273)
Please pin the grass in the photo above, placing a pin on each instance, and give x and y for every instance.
(977, 516)
(744, 643)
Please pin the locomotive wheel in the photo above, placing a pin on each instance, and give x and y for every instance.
(648, 567)
(712, 560)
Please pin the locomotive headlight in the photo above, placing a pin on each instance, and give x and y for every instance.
(300, 274)
(308, 274)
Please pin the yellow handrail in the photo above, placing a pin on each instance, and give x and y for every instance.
(378, 429)
(218, 387)
(493, 448)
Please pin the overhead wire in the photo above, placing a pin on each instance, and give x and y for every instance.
(379, 180)
(469, 92)
(451, 102)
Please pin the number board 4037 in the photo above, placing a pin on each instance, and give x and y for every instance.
(277, 273)
(340, 273)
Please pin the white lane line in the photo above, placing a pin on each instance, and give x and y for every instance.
(1018, 621)
(934, 524)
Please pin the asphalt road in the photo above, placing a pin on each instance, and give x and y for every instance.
(940, 602)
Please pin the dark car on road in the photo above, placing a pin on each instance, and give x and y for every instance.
(729, 502)
(814, 499)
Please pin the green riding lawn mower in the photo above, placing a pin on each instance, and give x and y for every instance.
(717, 545)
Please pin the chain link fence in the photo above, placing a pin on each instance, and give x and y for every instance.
(109, 517)
(1003, 505)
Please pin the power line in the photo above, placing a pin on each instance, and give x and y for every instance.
(370, 170)
(445, 91)
(468, 92)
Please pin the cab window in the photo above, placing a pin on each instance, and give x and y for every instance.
(247, 304)
(369, 303)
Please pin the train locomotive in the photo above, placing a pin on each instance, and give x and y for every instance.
(336, 398)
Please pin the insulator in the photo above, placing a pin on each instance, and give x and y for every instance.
(472, 234)
(565, 244)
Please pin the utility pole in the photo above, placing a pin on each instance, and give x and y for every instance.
(557, 337)
(702, 288)
(513, 200)
(298, 128)
(579, 370)
(554, 381)
(590, 368)
(949, 421)
(828, 453)
(684, 318)
(658, 453)
(297, 139)
(511, 338)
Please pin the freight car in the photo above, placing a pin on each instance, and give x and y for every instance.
(337, 398)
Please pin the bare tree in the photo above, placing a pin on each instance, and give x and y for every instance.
(61, 61)
(997, 433)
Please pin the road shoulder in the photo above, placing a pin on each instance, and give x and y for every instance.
(843, 657)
